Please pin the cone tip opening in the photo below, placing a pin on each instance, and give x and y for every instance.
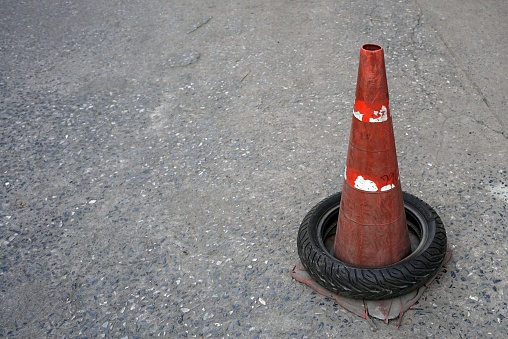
(371, 47)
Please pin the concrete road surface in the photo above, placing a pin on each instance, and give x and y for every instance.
(157, 158)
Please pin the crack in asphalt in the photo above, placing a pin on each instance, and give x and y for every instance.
(468, 76)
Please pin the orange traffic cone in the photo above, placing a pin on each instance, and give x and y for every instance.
(372, 229)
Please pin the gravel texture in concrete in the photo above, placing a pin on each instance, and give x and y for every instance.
(157, 158)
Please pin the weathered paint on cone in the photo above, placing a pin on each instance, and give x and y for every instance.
(372, 229)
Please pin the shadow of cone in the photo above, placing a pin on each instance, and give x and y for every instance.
(371, 229)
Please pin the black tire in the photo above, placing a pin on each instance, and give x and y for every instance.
(428, 245)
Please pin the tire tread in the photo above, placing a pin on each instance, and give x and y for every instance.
(371, 283)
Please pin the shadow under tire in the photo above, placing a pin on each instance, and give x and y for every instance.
(428, 250)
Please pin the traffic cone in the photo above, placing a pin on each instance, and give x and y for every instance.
(371, 229)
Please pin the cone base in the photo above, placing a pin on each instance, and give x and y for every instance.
(371, 229)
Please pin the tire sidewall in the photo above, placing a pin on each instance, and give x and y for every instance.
(372, 283)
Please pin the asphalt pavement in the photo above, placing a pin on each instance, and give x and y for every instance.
(157, 158)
